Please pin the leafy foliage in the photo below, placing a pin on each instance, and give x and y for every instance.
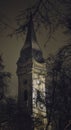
(59, 89)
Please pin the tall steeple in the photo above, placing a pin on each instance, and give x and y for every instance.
(31, 71)
(31, 39)
(31, 47)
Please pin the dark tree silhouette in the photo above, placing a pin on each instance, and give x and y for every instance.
(3, 90)
(5, 25)
(58, 98)
(8, 105)
(49, 13)
(3, 76)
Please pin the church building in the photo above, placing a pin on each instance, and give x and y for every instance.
(31, 72)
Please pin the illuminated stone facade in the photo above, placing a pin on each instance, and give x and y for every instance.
(38, 95)
(31, 71)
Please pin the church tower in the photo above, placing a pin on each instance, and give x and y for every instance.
(31, 71)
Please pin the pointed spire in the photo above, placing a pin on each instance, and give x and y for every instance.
(31, 39)
(31, 47)
(31, 33)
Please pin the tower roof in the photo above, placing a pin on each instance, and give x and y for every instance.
(31, 39)
(31, 47)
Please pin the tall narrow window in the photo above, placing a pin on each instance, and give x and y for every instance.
(25, 82)
(25, 95)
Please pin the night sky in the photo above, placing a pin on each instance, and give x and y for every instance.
(10, 47)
